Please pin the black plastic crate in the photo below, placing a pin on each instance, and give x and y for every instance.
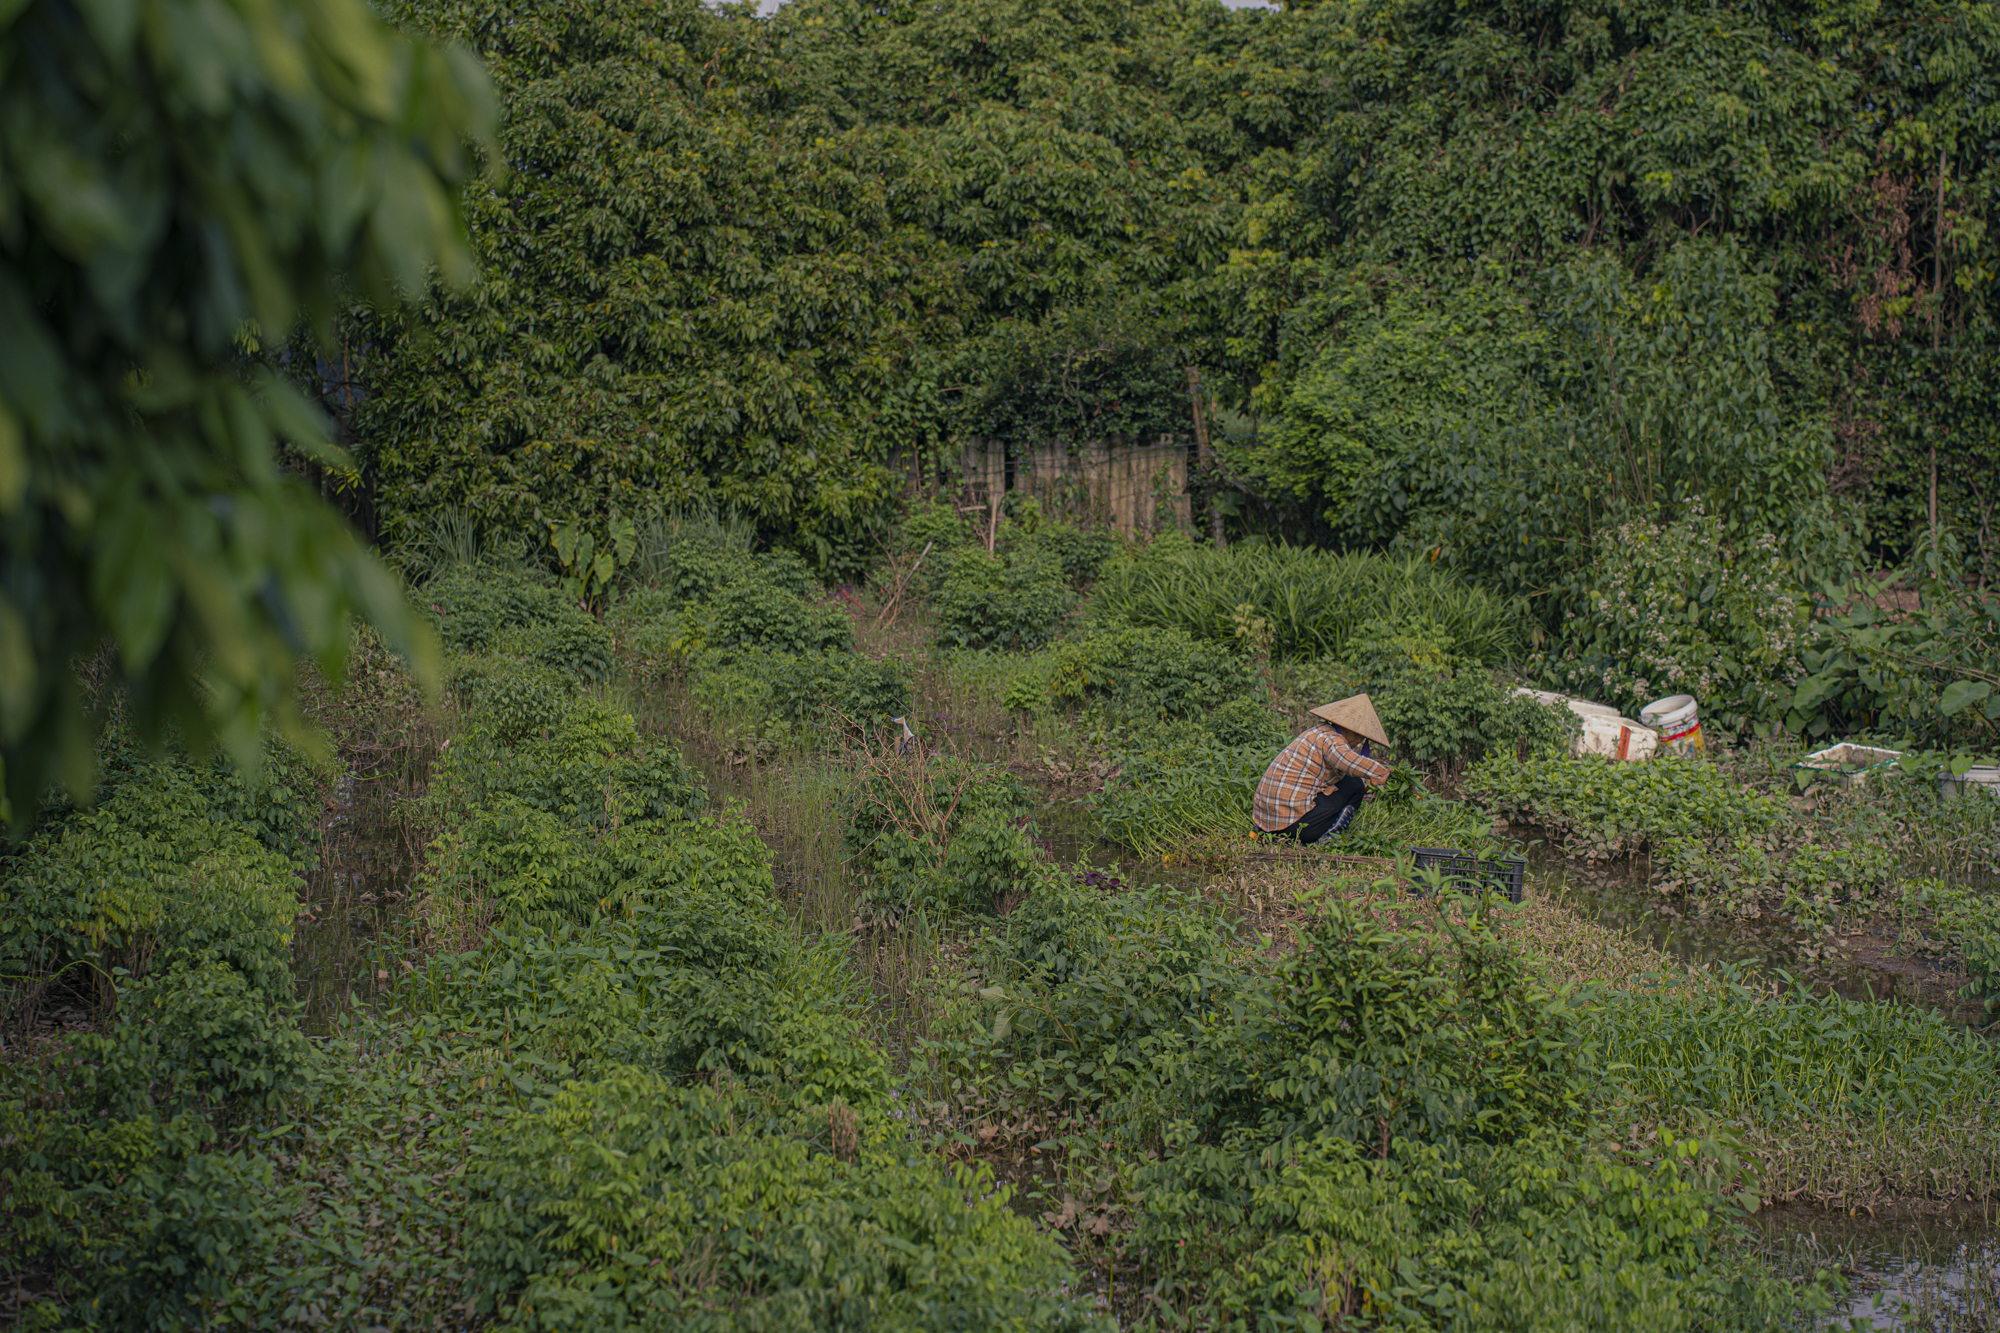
(1468, 874)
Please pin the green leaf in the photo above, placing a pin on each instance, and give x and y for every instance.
(1961, 694)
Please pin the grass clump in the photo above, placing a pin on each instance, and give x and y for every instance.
(1839, 1102)
(1314, 602)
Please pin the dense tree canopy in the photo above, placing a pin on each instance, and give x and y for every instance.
(1483, 276)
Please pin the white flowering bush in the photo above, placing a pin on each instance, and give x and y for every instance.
(1672, 609)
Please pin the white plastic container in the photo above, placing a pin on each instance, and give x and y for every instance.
(1604, 731)
(1678, 721)
(1848, 764)
(1981, 777)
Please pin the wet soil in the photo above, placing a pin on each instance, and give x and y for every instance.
(1869, 963)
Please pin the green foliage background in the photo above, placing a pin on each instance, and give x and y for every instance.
(1478, 281)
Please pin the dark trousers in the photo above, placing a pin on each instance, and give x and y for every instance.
(1325, 810)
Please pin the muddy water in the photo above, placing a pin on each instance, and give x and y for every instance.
(1911, 1273)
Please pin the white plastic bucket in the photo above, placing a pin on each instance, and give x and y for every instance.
(1677, 720)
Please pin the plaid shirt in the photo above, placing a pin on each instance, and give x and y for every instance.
(1311, 764)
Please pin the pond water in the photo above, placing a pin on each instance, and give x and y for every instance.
(1907, 1273)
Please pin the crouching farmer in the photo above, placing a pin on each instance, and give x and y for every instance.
(1314, 786)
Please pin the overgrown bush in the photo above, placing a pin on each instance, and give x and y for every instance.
(131, 1224)
(1439, 712)
(1674, 608)
(939, 526)
(1603, 808)
(116, 1196)
(473, 607)
(633, 1201)
(1014, 600)
(198, 1038)
(1726, 847)
(704, 561)
(149, 880)
(1931, 678)
(686, 971)
(1135, 672)
(752, 614)
(1097, 995)
(1082, 552)
(763, 702)
(509, 700)
(938, 832)
(1393, 1133)
(587, 766)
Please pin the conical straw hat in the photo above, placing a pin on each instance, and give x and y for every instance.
(1356, 714)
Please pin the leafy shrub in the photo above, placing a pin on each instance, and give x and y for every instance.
(1438, 712)
(667, 543)
(197, 1038)
(701, 570)
(575, 646)
(590, 769)
(938, 832)
(472, 608)
(1393, 1129)
(139, 1222)
(1674, 609)
(1313, 600)
(937, 525)
(742, 1220)
(113, 1189)
(149, 879)
(1082, 552)
(688, 972)
(509, 860)
(1016, 600)
(753, 614)
(761, 701)
(1933, 676)
(1725, 846)
(1247, 723)
(1606, 808)
(1180, 783)
(510, 700)
(1150, 672)
(1098, 993)
(279, 807)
